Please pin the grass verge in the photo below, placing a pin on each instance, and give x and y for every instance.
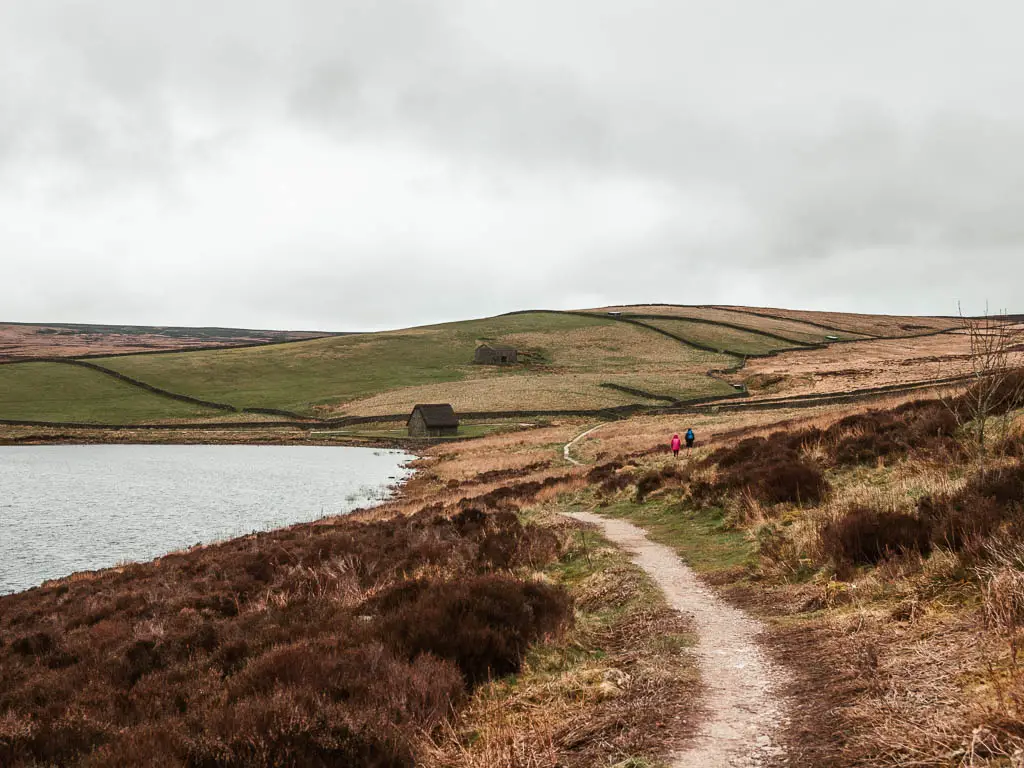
(703, 537)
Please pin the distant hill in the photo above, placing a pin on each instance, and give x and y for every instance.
(598, 358)
(18, 340)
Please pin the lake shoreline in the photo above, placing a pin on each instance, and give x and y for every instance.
(23, 436)
(207, 499)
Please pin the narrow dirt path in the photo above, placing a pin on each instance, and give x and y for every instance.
(745, 712)
(568, 446)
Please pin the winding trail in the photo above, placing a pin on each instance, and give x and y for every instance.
(745, 712)
(568, 446)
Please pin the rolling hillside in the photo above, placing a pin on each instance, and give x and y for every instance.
(592, 359)
(793, 331)
(565, 358)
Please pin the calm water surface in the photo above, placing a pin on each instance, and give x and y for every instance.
(72, 508)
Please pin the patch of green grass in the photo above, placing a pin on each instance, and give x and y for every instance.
(720, 337)
(387, 372)
(701, 537)
(587, 554)
(677, 642)
(638, 762)
(65, 393)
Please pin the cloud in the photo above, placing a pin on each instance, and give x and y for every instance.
(342, 164)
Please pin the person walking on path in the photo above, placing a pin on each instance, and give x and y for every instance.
(689, 439)
(676, 445)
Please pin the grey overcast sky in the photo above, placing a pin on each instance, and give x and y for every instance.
(363, 164)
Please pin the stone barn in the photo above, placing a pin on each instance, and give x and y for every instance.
(496, 354)
(437, 420)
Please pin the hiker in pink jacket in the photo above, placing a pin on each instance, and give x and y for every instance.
(676, 445)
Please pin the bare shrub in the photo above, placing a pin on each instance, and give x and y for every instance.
(997, 376)
(496, 619)
(866, 536)
(787, 480)
(35, 644)
(647, 484)
(922, 427)
(964, 520)
(769, 471)
(776, 480)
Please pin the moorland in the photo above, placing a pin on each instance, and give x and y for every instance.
(624, 358)
(844, 495)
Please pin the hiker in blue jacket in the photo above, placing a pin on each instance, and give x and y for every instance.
(689, 438)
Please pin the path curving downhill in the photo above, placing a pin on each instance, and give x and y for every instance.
(567, 448)
(745, 711)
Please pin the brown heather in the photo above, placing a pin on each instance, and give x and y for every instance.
(328, 644)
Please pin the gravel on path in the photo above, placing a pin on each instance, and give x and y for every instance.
(745, 712)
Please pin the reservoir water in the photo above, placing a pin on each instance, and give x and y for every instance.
(71, 508)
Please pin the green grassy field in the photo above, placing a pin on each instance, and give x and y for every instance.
(567, 362)
(332, 376)
(787, 328)
(858, 325)
(56, 392)
(799, 325)
(719, 337)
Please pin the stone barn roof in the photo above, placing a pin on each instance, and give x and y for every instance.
(437, 415)
(497, 347)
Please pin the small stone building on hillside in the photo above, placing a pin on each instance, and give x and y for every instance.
(496, 354)
(435, 420)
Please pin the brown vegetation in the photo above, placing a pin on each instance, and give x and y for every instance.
(374, 640)
(866, 536)
(900, 588)
(620, 688)
(771, 471)
(307, 646)
(917, 563)
(862, 364)
(44, 340)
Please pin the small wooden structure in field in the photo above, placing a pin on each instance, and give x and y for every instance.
(496, 354)
(433, 420)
